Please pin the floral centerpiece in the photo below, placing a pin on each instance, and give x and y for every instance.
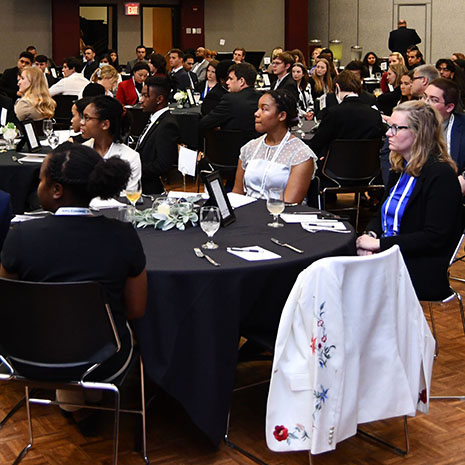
(9, 133)
(167, 213)
(181, 98)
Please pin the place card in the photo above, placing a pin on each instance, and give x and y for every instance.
(239, 200)
(187, 161)
(259, 253)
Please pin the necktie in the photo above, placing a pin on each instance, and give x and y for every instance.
(142, 134)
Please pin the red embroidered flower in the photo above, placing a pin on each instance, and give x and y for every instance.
(280, 433)
(323, 339)
(422, 396)
(320, 323)
(313, 344)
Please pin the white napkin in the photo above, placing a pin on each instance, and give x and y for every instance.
(337, 227)
(238, 200)
(260, 254)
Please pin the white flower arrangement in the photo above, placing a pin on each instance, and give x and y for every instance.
(9, 131)
(180, 96)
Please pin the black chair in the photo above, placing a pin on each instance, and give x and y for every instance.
(63, 113)
(222, 148)
(49, 329)
(353, 165)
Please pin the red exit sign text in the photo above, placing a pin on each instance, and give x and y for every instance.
(131, 9)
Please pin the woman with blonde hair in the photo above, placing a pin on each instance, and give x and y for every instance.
(35, 102)
(386, 102)
(422, 208)
(107, 76)
(321, 83)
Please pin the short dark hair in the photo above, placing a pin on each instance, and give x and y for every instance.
(89, 47)
(246, 71)
(348, 82)
(41, 59)
(161, 84)
(141, 46)
(140, 65)
(222, 70)
(108, 108)
(27, 55)
(285, 101)
(93, 89)
(450, 90)
(159, 61)
(188, 55)
(31, 47)
(450, 65)
(355, 65)
(241, 49)
(82, 103)
(74, 63)
(178, 51)
(85, 173)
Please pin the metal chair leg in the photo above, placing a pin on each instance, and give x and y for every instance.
(142, 393)
(395, 449)
(462, 315)
(31, 438)
(433, 326)
(116, 428)
(358, 195)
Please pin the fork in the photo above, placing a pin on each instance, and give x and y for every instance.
(289, 246)
(200, 254)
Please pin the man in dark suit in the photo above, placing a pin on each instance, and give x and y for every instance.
(281, 65)
(351, 119)
(444, 94)
(41, 61)
(402, 37)
(9, 79)
(141, 53)
(178, 75)
(188, 65)
(237, 108)
(91, 64)
(158, 142)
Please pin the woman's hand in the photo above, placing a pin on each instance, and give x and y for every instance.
(367, 245)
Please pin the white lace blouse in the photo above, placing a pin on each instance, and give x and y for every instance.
(269, 166)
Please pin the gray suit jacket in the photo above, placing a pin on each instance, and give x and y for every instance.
(201, 70)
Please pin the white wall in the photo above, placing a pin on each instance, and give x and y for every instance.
(369, 22)
(23, 23)
(252, 24)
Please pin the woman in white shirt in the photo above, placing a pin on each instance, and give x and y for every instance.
(105, 124)
(305, 103)
(276, 159)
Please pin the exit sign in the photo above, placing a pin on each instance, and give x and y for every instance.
(131, 9)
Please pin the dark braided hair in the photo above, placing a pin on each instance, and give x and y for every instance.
(285, 101)
(85, 173)
(108, 108)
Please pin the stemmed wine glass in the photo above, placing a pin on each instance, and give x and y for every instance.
(133, 195)
(210, 221)
(275, 205)
(47, 127)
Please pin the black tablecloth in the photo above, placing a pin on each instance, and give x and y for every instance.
(188, 120)
(19, 180)
(195, 313)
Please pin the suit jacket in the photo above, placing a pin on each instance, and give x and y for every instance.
(126, 93)
(331, 101)
(158, 152)
(235, 110)
(212, 99)
(9, 82)
(457, 141)
(429, 229)
(351, 119)
(193, 80)
(50, 79)
(201, 70)
(131, 64)
(89, 69)
(401, 39)
(289, 84)
(386, 102)
(179, 80)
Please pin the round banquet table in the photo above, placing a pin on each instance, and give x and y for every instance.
(196, 312)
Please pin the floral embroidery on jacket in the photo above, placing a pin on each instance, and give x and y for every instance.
(321, 397)
(320, 346)
(281, 433)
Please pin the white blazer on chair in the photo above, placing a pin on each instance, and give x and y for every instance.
(353, 346)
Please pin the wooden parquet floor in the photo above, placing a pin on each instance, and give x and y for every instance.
(437, 438)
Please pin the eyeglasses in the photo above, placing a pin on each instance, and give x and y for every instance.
(87, 118)
(432, 99)
(417, 77)
(394, 128)
(276, 62)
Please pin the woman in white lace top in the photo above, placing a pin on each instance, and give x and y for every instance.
(276, 159)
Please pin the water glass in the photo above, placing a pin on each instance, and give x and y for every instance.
(47, 127)
(275, 205)
(210, 220)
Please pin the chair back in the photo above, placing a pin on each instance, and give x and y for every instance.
(63, 109)
(353, 161)
(55, 325)
(6, 214)
(222, 147)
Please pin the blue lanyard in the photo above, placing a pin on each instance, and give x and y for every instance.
(394, 206)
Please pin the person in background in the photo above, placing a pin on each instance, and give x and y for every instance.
(106, 127)
(74, 245)
(422, 76)
(371, 63)
(93, 90)
(91, 64)
(32, 49)
(73, 82)
(239, 55)
(386, 102)
(35, 102)
(77, 114)
(276, 51)
(9, 78)
(457, 56)
(394, 58)
(200, 68)
(188, 64)
(327, 54)
(276, 159)
(321, 84)
(215, 85)
(178, 76)
(305, 102)
(141, 52)
(106, 76)
(113, 60)
(414, 57)
(315, 54)
(406, 86)
(41, 61)
(422, 207)
(298, 57)
(402, 37)
(129, 91)
(281, 69)
(157, 65)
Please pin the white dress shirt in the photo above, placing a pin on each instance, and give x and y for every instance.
(71, 85)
